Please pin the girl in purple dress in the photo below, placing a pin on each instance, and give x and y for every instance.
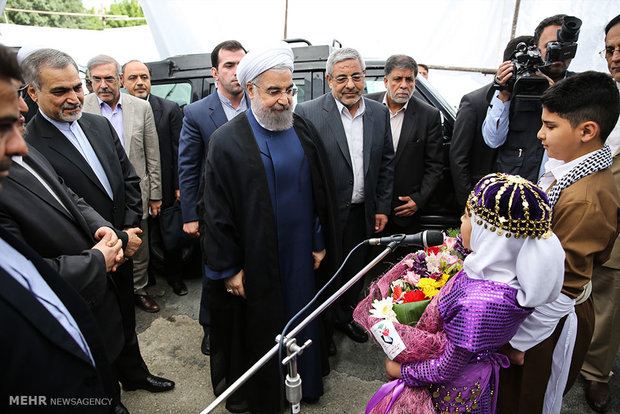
(516, 264)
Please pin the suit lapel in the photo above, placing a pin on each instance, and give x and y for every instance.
(23, 178)
(36, 162)
(128, 117)
(24, 302)
(157, 110)
(216, 111)
(406, 133)
(368, 131)
(61, 145)
(334, 123)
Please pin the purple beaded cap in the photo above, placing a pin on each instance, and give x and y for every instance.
(511, 206)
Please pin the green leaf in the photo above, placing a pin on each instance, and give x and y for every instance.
(410, 313)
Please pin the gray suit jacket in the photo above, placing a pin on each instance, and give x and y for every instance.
(141, 143)
(323, 113)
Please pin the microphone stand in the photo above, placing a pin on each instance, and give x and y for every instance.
(293, 391)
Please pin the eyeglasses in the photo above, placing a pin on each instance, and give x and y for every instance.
(22, 91)
(276, 92)
(108, 79)
(357, 77)
(609, 52)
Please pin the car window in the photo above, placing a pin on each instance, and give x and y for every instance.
(181, 93)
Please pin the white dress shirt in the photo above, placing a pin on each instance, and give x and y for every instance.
(354, 130)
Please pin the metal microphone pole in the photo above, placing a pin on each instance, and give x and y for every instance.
(273, 351)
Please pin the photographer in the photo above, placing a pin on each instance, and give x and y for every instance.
(512, 123)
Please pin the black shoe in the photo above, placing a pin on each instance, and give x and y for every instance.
(598, 395)
(205, 346)
(151, 383)
(179, 288)
(332, 348)
(353, 331)
(120, 409)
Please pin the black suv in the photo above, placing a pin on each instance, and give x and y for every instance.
(187, 78)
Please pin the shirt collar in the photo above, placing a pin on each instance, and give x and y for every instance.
(404, 108)
(343, 109)
(119, 104)
(62, 126)
(560, 168)
(225, 101)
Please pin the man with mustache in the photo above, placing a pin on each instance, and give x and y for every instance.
(417, 137)
(136, 79)
(132, 119)
(267, 228)
(356, 133)
(85, 152)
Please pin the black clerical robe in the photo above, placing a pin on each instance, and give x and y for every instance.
(239, 231)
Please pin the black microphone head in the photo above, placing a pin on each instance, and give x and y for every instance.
(433, 237)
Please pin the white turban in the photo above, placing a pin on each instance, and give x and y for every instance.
(258, 61)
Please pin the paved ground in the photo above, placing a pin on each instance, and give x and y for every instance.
(170, 343)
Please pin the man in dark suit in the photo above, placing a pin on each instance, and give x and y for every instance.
(49, 342)
(200, 120)
(470, 157)
(86, 153)
(136, 78)
(417, 137)
(356, 134)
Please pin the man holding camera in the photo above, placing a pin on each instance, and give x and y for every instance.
(512, 122)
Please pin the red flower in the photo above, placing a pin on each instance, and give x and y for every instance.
(433, 249)
(398, 291)
(413, 296)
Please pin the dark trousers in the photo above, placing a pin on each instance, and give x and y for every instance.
(522, 388)
(354, 232)
(129, 364)
(204, 316)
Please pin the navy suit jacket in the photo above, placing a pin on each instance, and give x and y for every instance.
(37, 355)
(323, 113)
(200, 120)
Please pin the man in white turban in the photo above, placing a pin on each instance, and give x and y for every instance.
(268, 231)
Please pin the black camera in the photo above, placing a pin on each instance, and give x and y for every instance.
(566, 46)
(527, 60)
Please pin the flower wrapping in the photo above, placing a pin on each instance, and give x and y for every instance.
(395, 296)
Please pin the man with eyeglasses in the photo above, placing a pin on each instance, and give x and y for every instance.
(356, 132)
(596, 369)
(133, 121)
(511, 124)
(268, 234)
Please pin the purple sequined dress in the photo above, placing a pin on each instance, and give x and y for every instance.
(479, 317)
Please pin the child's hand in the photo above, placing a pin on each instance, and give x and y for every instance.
(515, 356)
(392, 369)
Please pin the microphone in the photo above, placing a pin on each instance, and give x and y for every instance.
(427, 238)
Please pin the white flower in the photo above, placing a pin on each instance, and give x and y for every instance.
(433, 264)
(382, 309)
(398, 282)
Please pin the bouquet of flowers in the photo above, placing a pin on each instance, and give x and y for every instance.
(402, 317)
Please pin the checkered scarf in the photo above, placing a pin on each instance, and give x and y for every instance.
(597, 161)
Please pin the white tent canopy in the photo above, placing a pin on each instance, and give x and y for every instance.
(459, 33)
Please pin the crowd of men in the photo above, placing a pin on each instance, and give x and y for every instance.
(277, 196)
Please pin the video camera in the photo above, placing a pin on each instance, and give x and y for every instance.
(527, 60)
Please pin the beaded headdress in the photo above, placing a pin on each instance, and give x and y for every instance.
(511, 206)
